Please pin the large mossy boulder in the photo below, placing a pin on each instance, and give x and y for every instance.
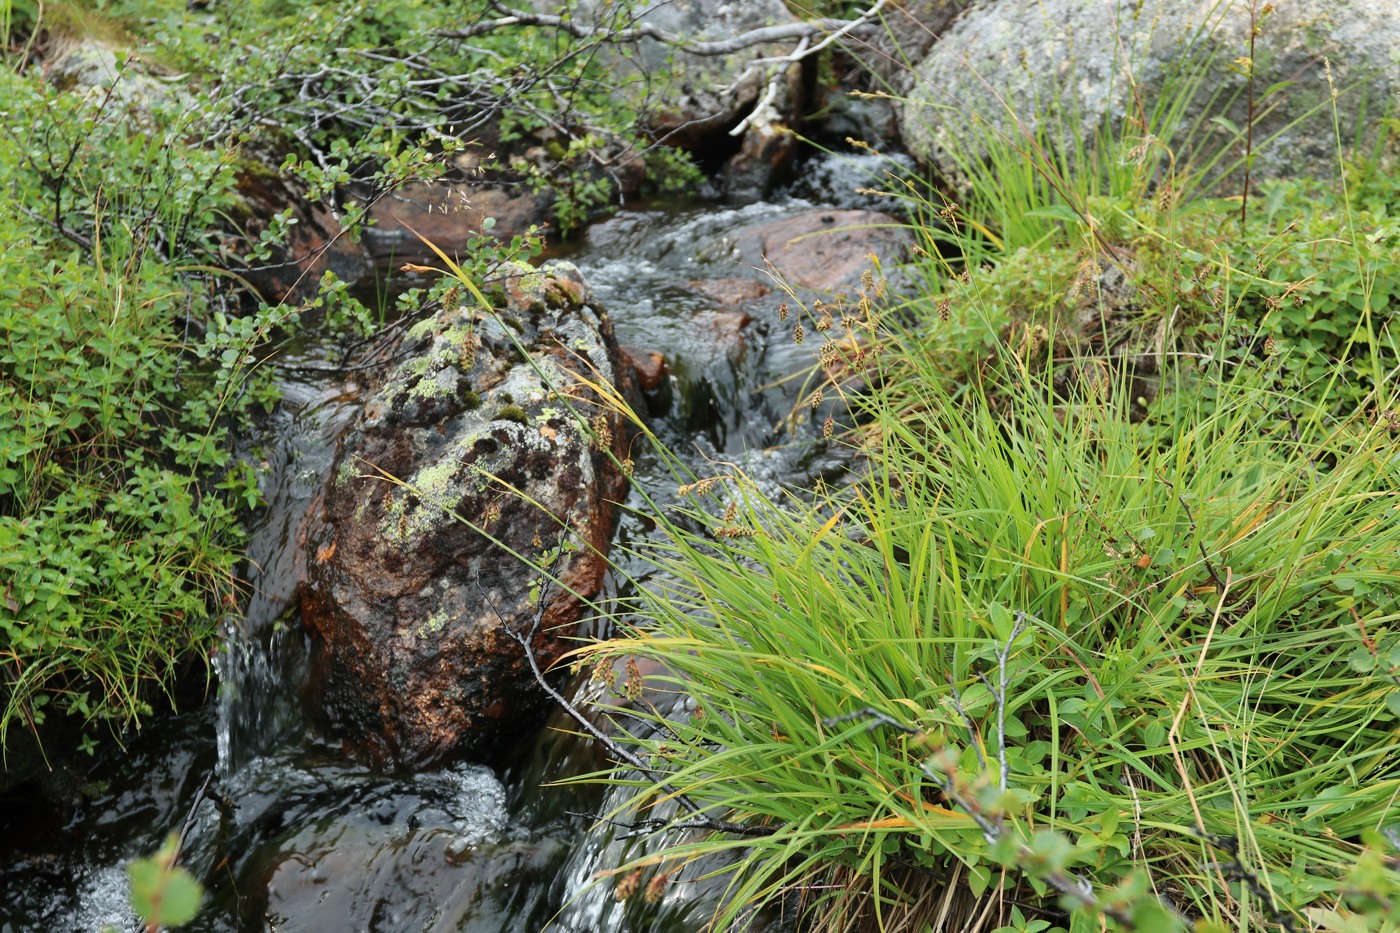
(483, 449)
(1081, 64)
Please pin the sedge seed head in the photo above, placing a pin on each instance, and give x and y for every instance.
(632, 686)
(627, 885)
(602, 432)
(656, 889)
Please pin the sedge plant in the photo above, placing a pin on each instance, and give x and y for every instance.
(1170, 643)
(1130, 652)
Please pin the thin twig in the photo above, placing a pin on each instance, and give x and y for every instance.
(994, 830)
(1210, 568)
(700, 821)
(642, 30)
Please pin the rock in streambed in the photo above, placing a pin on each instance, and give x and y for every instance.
(482, 449)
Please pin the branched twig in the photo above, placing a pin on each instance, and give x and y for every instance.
(1235, 870)
(967, 722)
(804, 33)
(994, 829)
(1003, 654)
(613, 748)
(640, 30)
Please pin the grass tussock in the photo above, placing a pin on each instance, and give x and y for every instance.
(1104, 632)
(1172, 643)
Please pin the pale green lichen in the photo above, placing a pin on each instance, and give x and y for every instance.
(422, 329)
(435, 486)
(435, 387)
(434, 624)
(346, 472)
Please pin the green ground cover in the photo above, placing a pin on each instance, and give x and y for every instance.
(131, 346)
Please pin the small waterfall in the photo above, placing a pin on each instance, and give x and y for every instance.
(303, 840)
(263, 659)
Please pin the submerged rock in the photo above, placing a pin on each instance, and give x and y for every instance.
(823, 251)
(483, 450)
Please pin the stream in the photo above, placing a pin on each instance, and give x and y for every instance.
(293, 836)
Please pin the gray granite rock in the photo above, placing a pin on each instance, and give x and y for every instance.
(1112, 59)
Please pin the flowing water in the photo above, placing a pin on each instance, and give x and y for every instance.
(293, 837)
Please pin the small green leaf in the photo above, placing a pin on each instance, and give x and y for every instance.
(1361, 660)
(979, 878)
(163, 893)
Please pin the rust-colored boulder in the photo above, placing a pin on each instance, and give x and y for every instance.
(469, 460)
(315, 241)
(448, 215)
(823, 251)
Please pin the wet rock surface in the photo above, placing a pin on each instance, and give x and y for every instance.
(315, 244)
(469, 458)
(730, 291)
(448, 215)
(442, 838)
(822, 251)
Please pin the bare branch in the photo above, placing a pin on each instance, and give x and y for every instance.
(994, 829)
(699, 820)
(810, 29)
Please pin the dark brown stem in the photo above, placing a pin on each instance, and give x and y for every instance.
(698, 819)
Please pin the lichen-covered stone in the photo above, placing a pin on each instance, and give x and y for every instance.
(1104, 61)
(479, 452)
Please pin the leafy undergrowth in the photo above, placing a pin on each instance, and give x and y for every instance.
(118, 494)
